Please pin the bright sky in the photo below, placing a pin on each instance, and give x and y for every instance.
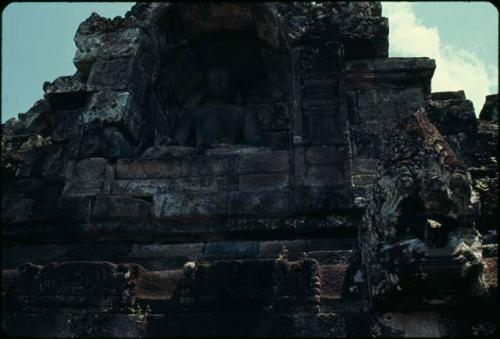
(461, 36)
(37, 45)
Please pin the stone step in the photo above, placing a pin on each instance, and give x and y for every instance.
(340, 257)
(491, 272)
(325, 82)
(160, 256)
(363, 179)
(343, 288)
(332, 280)
(159, 287)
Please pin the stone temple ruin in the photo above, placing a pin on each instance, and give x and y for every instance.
(220, 169)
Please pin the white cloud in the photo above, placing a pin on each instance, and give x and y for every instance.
(456, 68)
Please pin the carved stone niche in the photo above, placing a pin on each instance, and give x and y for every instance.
(224, 76)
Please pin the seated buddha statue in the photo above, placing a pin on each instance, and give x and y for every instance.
(217, 120)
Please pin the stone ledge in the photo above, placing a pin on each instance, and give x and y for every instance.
(322, 197)
(369, 73)
(158, 256)
(121, 208)
(392, 64)
(65, 85)
(166, 250)
(189, 204)
(209, 165)
(326, 154)
(226, 249)
(147, 169)
(263, 182)
(342, 257)
(264, 163)
(272, 249)
(260, 203)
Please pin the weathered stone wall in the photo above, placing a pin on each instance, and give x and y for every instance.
(381, 93)
(113, 227)
(475, 141)
(489, 112)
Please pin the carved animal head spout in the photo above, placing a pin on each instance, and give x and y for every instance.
(418, 232)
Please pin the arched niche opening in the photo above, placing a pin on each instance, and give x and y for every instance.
(225, 54)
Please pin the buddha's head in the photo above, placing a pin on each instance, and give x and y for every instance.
(219, 83)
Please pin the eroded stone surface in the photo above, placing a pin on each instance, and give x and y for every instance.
(421, 218)
(208, 168)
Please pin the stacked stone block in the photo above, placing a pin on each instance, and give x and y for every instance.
(111, 229)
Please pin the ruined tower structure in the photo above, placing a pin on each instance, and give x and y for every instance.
(219, 169)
